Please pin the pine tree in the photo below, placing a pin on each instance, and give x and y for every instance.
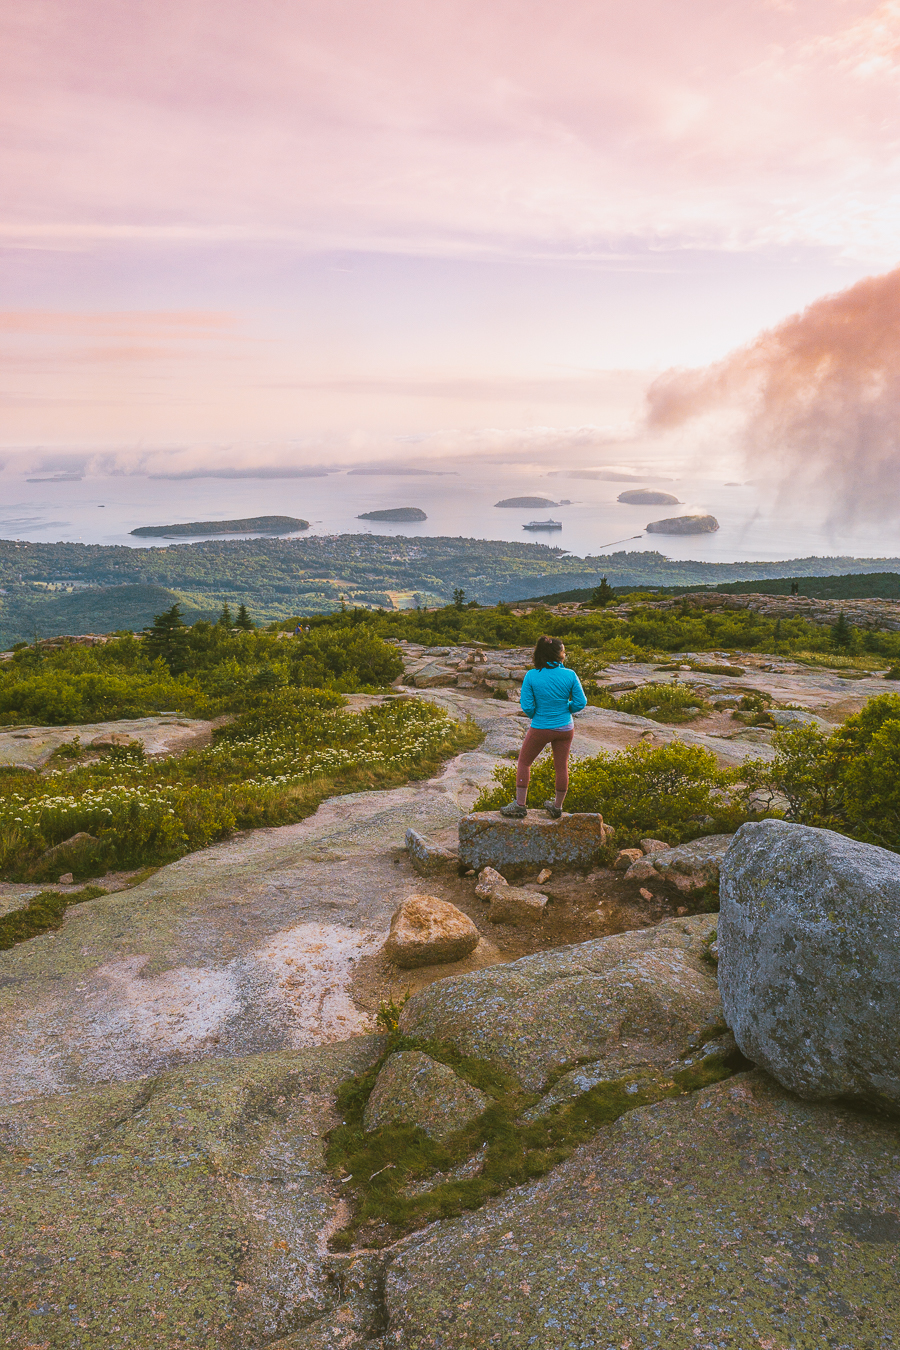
(167, 638)
(603, 594)
(459, 597)
(243, 619)
(841, 633)
(225, 619)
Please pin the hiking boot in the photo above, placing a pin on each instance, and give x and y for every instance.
(513, 811)
(553, 810)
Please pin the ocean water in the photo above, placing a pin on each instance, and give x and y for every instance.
(754, 524)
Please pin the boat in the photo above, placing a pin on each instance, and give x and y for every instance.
(543, 525)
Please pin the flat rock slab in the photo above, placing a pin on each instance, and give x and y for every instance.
(31, 747)
(191, 1210)
(487, 839)
(248, 946)
(809, 959)
(738, 1217)
(637, 997)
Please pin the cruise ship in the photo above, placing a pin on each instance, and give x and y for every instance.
(543, 525)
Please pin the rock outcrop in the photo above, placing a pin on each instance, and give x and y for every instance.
(732, 1218)
(635, 998)
(809, 959)
(190, 1209)
(426, 931)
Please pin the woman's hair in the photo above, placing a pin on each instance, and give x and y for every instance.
(548, 649)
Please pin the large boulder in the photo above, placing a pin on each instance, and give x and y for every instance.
(427, 931)
(633, 998)
(414, 1089)
(809, 959)
(487, 839)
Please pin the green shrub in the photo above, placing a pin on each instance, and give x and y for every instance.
(664, 702)
(848, 781)
(674, 792)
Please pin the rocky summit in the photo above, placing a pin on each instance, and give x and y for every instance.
(287, 1094)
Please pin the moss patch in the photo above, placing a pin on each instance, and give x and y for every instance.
(42, 913)
(376, 1168)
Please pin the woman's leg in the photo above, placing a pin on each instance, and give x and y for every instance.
(533, 744)
(562, 744)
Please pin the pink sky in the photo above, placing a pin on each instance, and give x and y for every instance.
(335, 223)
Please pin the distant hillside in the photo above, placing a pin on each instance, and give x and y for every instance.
(101, 610)
(253, 525)
(123, 587)
(851, 586)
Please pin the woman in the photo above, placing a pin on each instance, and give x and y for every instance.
(550, 694)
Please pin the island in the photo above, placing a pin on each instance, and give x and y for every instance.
(194, 528)
(397, 514)
(684, 525)
(642, 497)
(526, 501)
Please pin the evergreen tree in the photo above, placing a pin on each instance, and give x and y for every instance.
(776, 635)
(841, 633)
(225, 619)
(459, 597)
(243, 619)
(603, 594)
(167, 637)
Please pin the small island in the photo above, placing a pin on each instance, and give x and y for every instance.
(684, 525)
(642, 497)
(396, 514)
(253, 525)
(526, 502)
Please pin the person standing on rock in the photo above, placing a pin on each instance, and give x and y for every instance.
(550, 695)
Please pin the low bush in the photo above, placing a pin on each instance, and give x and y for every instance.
(847, 781)
(675, 792)
(664, 702)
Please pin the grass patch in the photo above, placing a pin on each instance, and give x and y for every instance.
(375, 1169)
(43, 913)
(835, 661)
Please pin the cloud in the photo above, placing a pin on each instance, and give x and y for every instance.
(453, 128)
(814, 401)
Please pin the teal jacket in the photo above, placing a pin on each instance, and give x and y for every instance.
(551, 695)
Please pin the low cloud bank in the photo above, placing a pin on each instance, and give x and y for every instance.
(815, 401)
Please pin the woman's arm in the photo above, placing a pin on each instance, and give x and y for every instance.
(577, 696)
(526, 697)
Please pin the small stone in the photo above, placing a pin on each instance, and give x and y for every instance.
(488, 879)
(625, 857)
(544, 875)
(653, 846)
(515, 905)
(645, 894)
(67, 879)
(682, 909)
(427, 931)
(108, 739)
(642, 869)
(471, 872)
(414, 1089)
